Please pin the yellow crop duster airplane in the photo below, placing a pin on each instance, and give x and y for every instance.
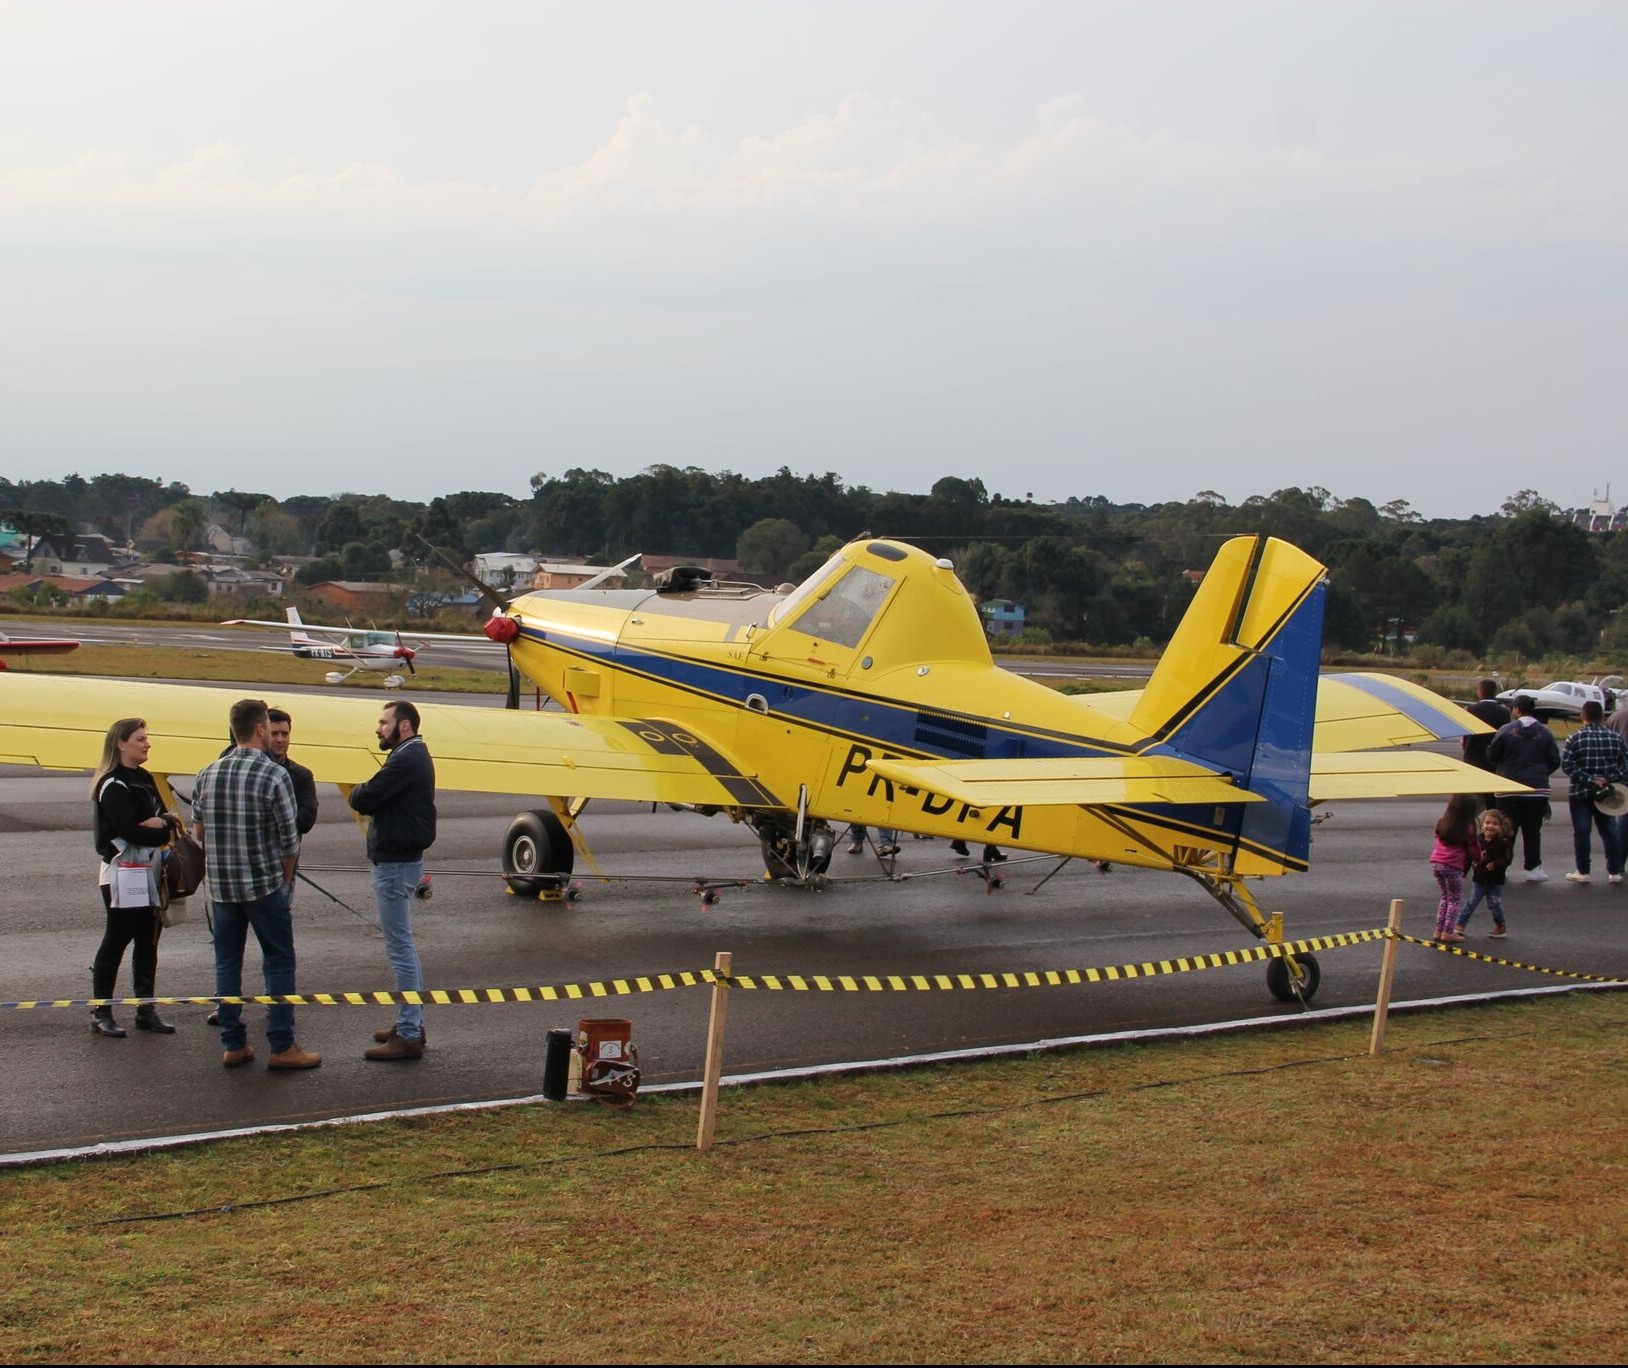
(868, 694)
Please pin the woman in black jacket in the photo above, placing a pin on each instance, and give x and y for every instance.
(129, 815)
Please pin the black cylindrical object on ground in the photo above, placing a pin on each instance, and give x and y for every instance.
(557, 1065)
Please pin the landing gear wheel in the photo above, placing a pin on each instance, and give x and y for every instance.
(1281, 983)
(536, 844)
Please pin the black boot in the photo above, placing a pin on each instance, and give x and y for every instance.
(148, 1019)
(102, 1024)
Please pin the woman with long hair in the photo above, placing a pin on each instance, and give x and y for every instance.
(131, 820)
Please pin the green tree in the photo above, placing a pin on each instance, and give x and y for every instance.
(188, 519)
(240, 503)
(770, 547)
(182, 587)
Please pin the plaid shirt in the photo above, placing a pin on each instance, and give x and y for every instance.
(1591, 751)
(245, 801)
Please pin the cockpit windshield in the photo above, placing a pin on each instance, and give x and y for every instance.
(843, 613)
(792, 604)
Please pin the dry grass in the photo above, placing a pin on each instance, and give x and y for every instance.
(261, 667)
(1272, 1197)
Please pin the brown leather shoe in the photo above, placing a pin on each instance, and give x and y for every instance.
(389, 1033)
(397, 1047)
(236, 1059)
(293, 1058)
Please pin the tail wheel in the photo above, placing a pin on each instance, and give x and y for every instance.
(1281, 982)
(537, 844)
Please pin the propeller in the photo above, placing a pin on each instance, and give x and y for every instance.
(512, 699)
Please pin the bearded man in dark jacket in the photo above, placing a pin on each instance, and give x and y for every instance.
(399, 802)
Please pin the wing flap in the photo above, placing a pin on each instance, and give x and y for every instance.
(1066, 780)
(1400, 774)
(60, 723)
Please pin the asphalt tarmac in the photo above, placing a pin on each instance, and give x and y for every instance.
(66, 1088)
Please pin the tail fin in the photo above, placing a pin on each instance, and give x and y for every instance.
(1237, 689)
(294, 618)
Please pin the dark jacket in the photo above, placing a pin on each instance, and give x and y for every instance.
(400, 800)
(1492, 863)
(1495, 715)
(1527, 753)
(125, 798)
(305, 794)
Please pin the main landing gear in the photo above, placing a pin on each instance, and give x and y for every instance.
(538, 855)
(1289, 978)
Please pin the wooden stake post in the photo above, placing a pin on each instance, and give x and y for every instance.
(713, 1068)
(1387, 972)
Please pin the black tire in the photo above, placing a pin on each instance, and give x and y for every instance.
(537, 843)
(1278, 979)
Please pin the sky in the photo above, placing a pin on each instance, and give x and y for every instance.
(1137, 250)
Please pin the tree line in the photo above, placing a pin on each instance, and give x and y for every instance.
(1522, 582)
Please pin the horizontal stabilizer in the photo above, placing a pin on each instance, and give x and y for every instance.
(1370, 711)
(1400, 774)
(1065, 780)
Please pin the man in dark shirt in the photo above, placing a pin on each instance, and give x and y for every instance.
(399, 802)
(1488, 709)
(305, 787)
(1526, 752)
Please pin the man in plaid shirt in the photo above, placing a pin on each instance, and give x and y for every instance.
(244, 810)
(1594, 757)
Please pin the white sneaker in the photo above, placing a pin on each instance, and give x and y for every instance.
(1613, 878)
(1536, 875)
(1575, 877)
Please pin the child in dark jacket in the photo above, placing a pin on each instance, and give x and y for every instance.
(1453, 853)
(1489, 869)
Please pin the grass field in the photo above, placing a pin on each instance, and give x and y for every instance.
(1271, 1197)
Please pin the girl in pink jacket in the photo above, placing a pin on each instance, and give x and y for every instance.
(1455, 850)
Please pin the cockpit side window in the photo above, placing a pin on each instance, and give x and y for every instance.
(843, 613)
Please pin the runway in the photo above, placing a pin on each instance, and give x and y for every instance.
(67, 1088)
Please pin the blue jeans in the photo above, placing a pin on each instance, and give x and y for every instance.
(1584, 815)
(1493, 893)
(274, 929)
(393, 886)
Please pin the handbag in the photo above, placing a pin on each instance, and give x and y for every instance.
(183, 866)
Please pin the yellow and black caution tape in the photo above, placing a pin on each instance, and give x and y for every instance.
(810, 983)
(1509, 963)
(1043, 978)
(818, 983)
(426, 997)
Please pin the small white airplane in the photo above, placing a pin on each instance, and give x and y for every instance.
(381, 652)
(1565, 697)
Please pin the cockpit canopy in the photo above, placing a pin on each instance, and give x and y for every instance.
(889, 600)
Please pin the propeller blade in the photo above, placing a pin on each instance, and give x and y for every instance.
(512, 702)
(481, 587)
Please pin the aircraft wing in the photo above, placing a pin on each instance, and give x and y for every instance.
(1065, 780)
(466, 638)
(1400, 774)
(60, 723)
(37, 646)
(1370, 711)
